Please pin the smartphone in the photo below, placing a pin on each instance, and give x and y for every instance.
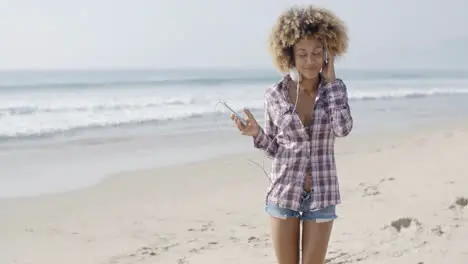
(235, 113)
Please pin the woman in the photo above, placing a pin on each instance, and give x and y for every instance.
(303, 116)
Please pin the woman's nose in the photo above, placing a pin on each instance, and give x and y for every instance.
(311, 59)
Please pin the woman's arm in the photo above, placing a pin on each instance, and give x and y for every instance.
(266, 137)
(340, 112)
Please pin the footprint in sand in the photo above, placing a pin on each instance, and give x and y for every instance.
(372, 190)
(209, 245)
(337, 257)
(248, 226)
(262, 241)
(209, 226)
(182, 261)
(458, 207)
(437, 230)
(405, 223)
(144, 252)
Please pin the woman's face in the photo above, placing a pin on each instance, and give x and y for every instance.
(308, 57)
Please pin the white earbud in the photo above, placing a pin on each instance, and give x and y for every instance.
(295, 76)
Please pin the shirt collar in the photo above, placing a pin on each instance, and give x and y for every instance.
(286, 80)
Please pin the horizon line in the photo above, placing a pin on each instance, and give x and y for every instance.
(221, 68)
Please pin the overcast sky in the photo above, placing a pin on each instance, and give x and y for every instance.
(226, 33)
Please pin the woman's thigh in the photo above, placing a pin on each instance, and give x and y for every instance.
(315, 239)
(285, 227)
(317, 227)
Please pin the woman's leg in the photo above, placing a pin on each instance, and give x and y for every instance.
(315, 238)
(316, 229)
(285, 234)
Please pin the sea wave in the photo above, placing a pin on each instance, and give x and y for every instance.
(25, 108)
(21, 119)
(54, 128)
(36, 109)
(404, 93)
(146, 83)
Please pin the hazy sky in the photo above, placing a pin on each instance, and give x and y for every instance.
(212, 33)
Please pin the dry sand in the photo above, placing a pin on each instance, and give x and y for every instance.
(399, 206)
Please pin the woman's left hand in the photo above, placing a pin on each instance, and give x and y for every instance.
(328, 70)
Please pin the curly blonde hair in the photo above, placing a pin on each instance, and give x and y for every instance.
(298, 22)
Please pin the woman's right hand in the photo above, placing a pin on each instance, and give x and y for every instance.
(251, 127)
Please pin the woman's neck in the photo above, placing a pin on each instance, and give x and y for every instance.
(310, 85)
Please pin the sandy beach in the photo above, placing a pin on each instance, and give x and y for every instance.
(401, 204)
(116, 147)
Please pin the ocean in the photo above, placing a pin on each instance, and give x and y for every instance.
(60, 103)
(60, 130)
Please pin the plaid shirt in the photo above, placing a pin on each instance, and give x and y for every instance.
(298, 149)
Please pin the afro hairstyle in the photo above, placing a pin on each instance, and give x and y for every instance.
(299, 22)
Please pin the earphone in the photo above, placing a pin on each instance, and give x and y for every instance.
(295, 76)
(325, 55)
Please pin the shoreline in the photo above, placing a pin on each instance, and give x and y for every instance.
(238, 147)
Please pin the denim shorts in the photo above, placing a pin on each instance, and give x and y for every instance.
(322, 215)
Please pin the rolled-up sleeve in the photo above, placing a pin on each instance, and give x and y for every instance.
(340, 113)
(266, 138)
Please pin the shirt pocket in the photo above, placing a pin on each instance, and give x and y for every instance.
(285, 120)
(281, 116)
